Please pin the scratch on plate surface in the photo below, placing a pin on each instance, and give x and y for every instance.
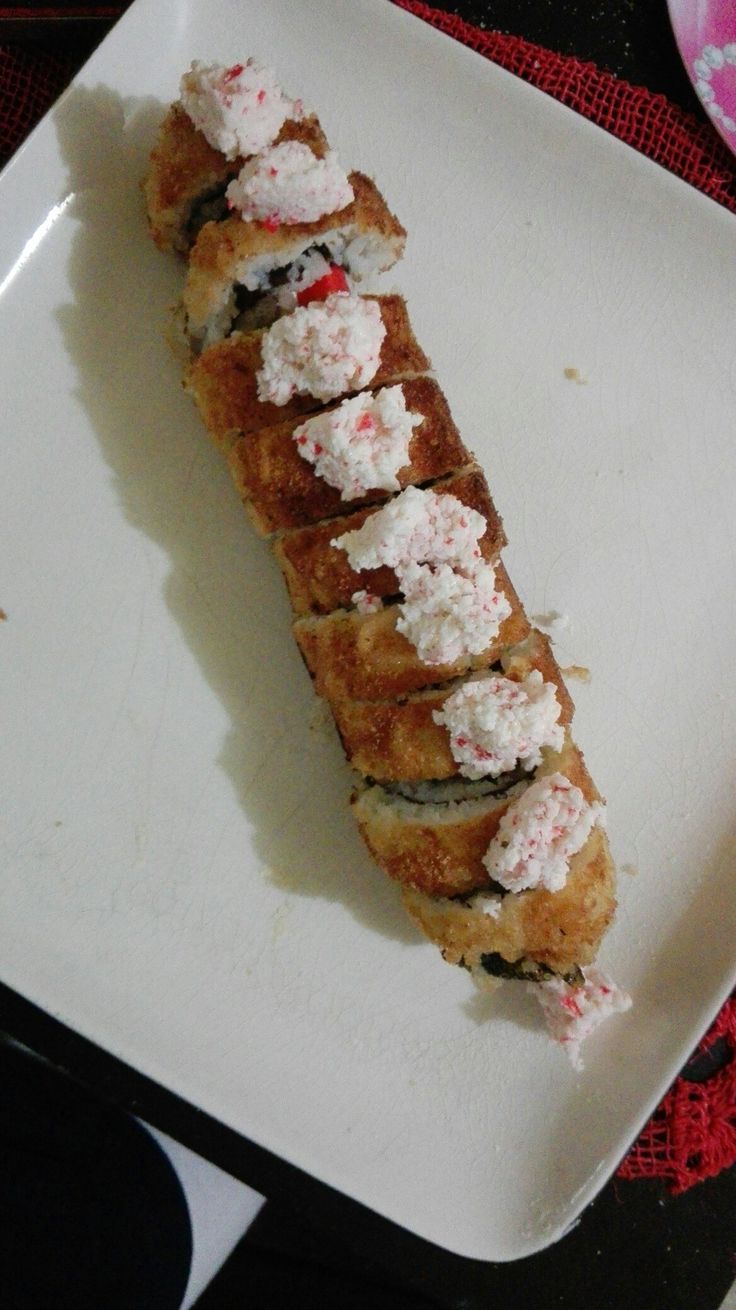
(278, 920)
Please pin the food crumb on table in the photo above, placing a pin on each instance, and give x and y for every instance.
(577, 671)
(574, 375)
(552, 623)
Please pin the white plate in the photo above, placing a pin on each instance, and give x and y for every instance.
(183, 883)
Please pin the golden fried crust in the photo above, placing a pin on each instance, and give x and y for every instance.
(318, 575)
(283, 491)
(223, 379)
(184, 166)
(221, 249)
(559, 929)
(439, 849)
(392, 741)
(364, 657)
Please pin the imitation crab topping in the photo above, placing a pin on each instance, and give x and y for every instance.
(361, 445)
(365, 602)
(448, 615)
(538, 836)
(287, 183)
(240, 110)
(417, 527)
(451, 608)
(321, 350)
(495, 723)
(573, 1013)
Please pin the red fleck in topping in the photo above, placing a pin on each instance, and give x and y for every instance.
(261, 96)
(365, 423)
(570, 1004)
(234, 72)
(325, 286)
(270, 223)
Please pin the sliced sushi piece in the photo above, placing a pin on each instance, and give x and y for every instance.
(401, 740)
(366, 657)
(224, 379)
(187, 177)
(434, 836)
(318, 574)
(282, 489)
(239, 271)
(530, 935)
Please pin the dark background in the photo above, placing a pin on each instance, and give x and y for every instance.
(635, 1247)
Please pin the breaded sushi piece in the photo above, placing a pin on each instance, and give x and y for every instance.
(282, 490)
(437, 846)
(235, 266)
(187, 177)
(535, 933)
(365, 657)
(399, 740)
(318, 576)
(223, 379)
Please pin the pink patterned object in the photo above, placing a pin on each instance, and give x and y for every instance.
(706, 35)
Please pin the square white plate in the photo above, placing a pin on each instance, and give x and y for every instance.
(182, 882)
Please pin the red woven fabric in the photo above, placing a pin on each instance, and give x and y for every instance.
(668, 135)
(30, 81)
(692, 1135)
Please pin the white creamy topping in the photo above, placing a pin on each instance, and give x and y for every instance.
(488, 903)
(321, 350)
(417, 527)
(240, 110)
(449, 615)
(287, 183)
(451, 608)
(573, 1013)
(538, 835)
(361, 445)
(365, 602)
(495, 723)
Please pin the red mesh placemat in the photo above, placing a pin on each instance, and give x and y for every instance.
(671, 137)
(30, 81)
(692, 1135)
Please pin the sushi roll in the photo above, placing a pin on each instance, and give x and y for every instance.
(225, 116)
(244, 274)
(298, 472)
(416, 739)
(365, 656)
(532, 935)
(253, 380)
(317, 571)
(434, 837)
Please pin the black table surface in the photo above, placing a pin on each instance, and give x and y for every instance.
(636, 1246)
